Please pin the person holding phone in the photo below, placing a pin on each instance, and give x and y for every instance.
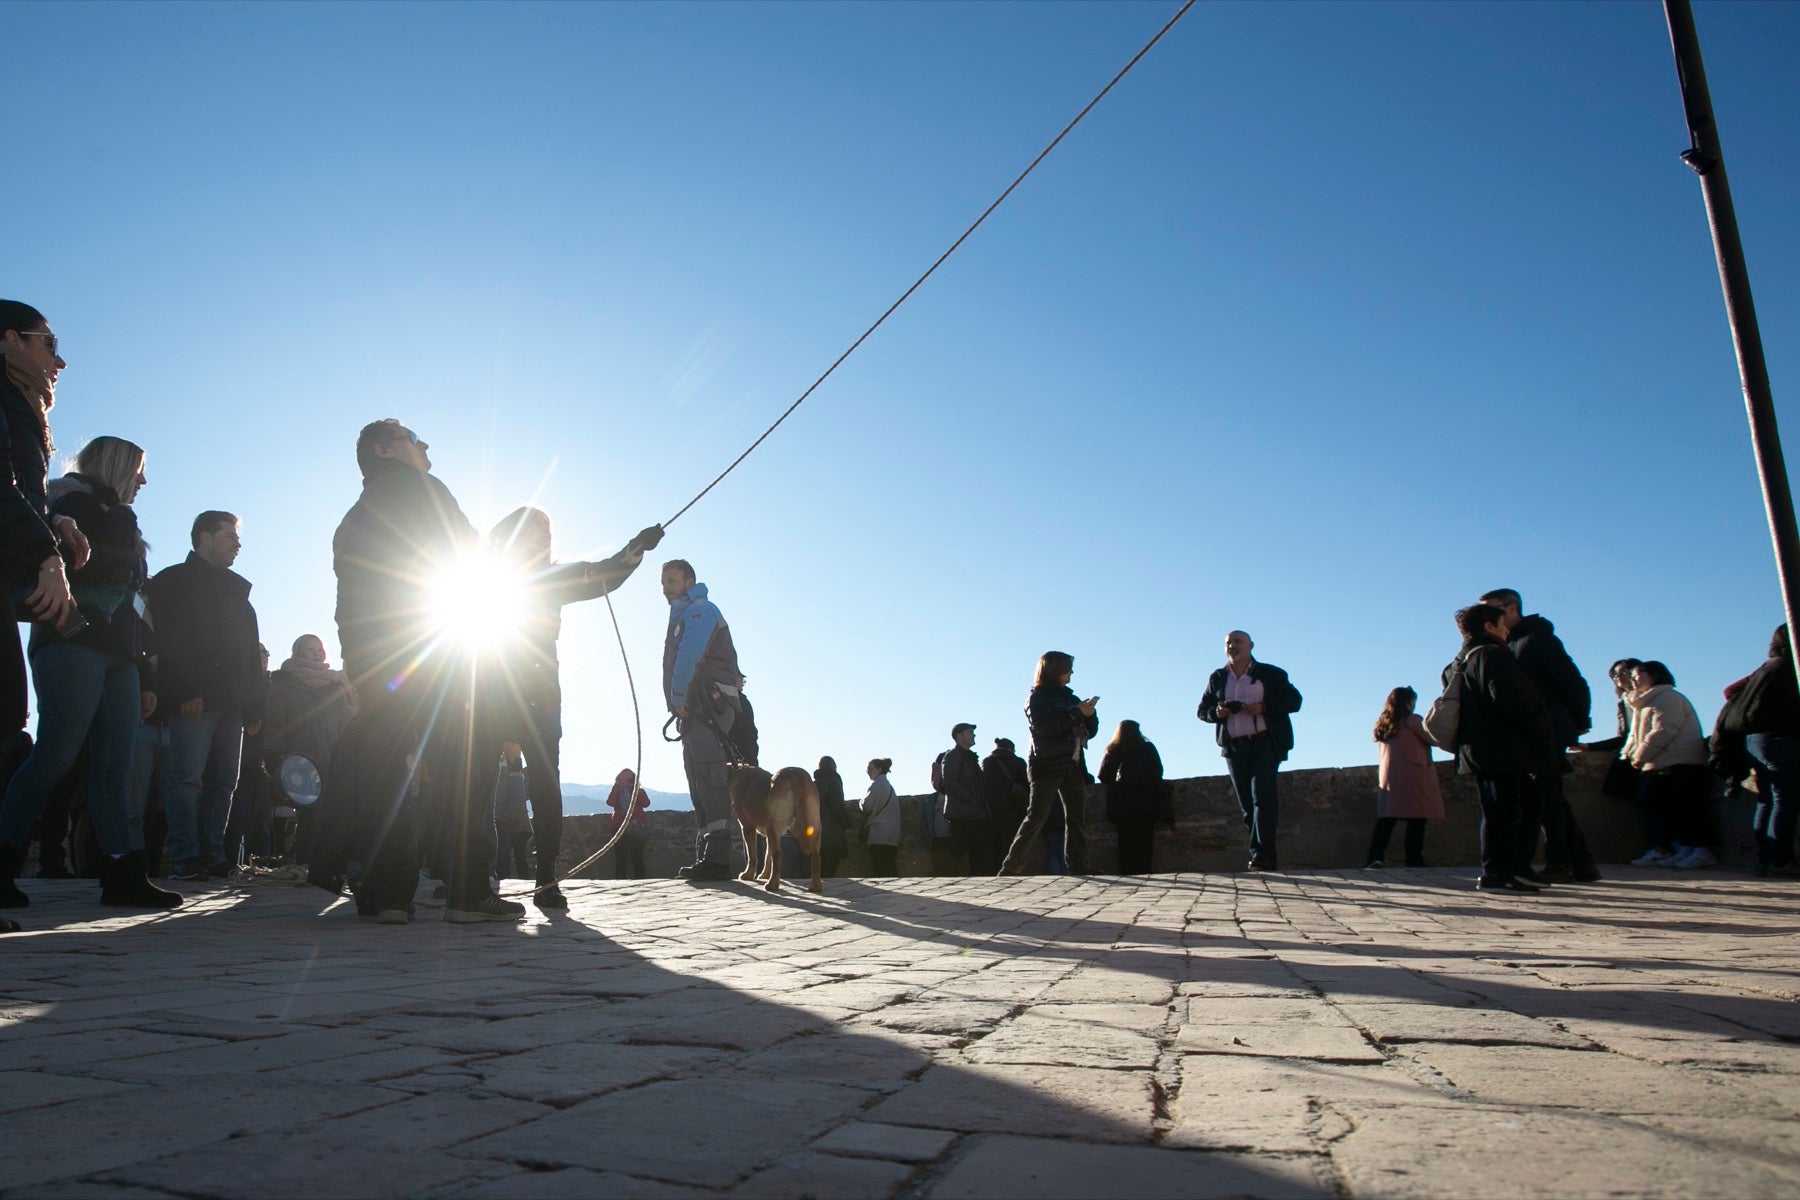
(1061, 724)
(93, 679)
(1250, 702)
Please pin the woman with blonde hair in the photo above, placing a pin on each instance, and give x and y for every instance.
(1406, 781)
(93, 679)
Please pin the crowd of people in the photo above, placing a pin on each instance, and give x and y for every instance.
(160, 720)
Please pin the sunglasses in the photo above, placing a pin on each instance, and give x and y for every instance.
(49, 338)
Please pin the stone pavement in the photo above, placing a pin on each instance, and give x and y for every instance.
(1336, 1033)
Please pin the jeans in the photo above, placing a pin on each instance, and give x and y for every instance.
(84, 697)
(1777, 764)
(1499, 795)
(149, 771)
(1053, 781)
(1253, 779)
(204, 755)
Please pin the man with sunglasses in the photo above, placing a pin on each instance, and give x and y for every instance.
(419, 729)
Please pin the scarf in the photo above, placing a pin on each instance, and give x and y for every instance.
(34, 383)
(314, 676)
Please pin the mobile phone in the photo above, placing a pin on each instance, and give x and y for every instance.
(72, 623)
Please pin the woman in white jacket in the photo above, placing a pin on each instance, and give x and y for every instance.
(881, 809)
(1668, 746)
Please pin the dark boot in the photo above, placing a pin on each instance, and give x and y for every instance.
(550, 896)
(10, 895)
(124, 884)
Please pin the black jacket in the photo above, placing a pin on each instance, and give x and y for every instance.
(834, 822)
(1058, 725)
(206, 639)
(108, 586)
(1547, 664)
(1503, 728)
(1280, 700)
(1005, 786)
(25, 536)
(304, 717)
(389, 551)
(1132, 775)
(963, 799)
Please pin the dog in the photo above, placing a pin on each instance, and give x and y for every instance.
(770, 805)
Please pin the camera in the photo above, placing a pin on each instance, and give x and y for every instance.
(1234, 706)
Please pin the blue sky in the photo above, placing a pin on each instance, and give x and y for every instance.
(1331, 317)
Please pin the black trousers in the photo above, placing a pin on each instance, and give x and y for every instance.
(883, 861)
(1137, 838)
(1499, 796)
(542, 744)
(1415, 839)
(1564, 843)
(973, 847)
(630, 852)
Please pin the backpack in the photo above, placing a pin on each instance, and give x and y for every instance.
(1443, 720)
(937, 772)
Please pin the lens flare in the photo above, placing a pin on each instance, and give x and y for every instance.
(479, 601)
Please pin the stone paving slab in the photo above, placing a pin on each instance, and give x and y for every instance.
(1329, 1033)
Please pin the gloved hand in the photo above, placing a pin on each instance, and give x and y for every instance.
(646, 540)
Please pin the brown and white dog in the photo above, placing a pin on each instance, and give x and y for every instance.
(771, 806)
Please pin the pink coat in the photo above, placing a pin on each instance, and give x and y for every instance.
(1408, 781)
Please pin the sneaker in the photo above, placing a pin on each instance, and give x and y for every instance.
(551, 897)
(220, 870)
(1653, 858)
(491, 909)
(392, 916)
(1697, 856)
(1556, 874)
(707, 872)
(1417, 863)
(187, 871)
(1531, 876)
(1374, 864)
(1587, 874)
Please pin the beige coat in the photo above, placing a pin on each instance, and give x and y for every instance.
(1408, 782)
(1665, 731)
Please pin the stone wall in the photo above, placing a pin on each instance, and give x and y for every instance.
(1326, 816)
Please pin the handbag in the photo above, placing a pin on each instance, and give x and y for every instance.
(1443, 720)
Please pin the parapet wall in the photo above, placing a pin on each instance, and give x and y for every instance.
(1326, 817)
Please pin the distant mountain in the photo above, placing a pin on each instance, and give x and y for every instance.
(580, 798)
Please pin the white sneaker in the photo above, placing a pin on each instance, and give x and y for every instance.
(1653, 858)
(1697, 856)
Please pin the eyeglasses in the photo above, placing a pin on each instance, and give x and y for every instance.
(49, 338)
(408, 435)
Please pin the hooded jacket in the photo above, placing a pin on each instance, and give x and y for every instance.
(1547, 664)
(698, 653)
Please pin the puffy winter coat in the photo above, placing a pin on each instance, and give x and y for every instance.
(1666, 731)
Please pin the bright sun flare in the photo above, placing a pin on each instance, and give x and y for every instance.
(479, 601)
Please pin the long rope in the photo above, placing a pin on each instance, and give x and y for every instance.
(636, 712)
(931, 270)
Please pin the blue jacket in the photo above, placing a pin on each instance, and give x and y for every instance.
(698, 646)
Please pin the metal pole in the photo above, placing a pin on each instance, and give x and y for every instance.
(1708, 162)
